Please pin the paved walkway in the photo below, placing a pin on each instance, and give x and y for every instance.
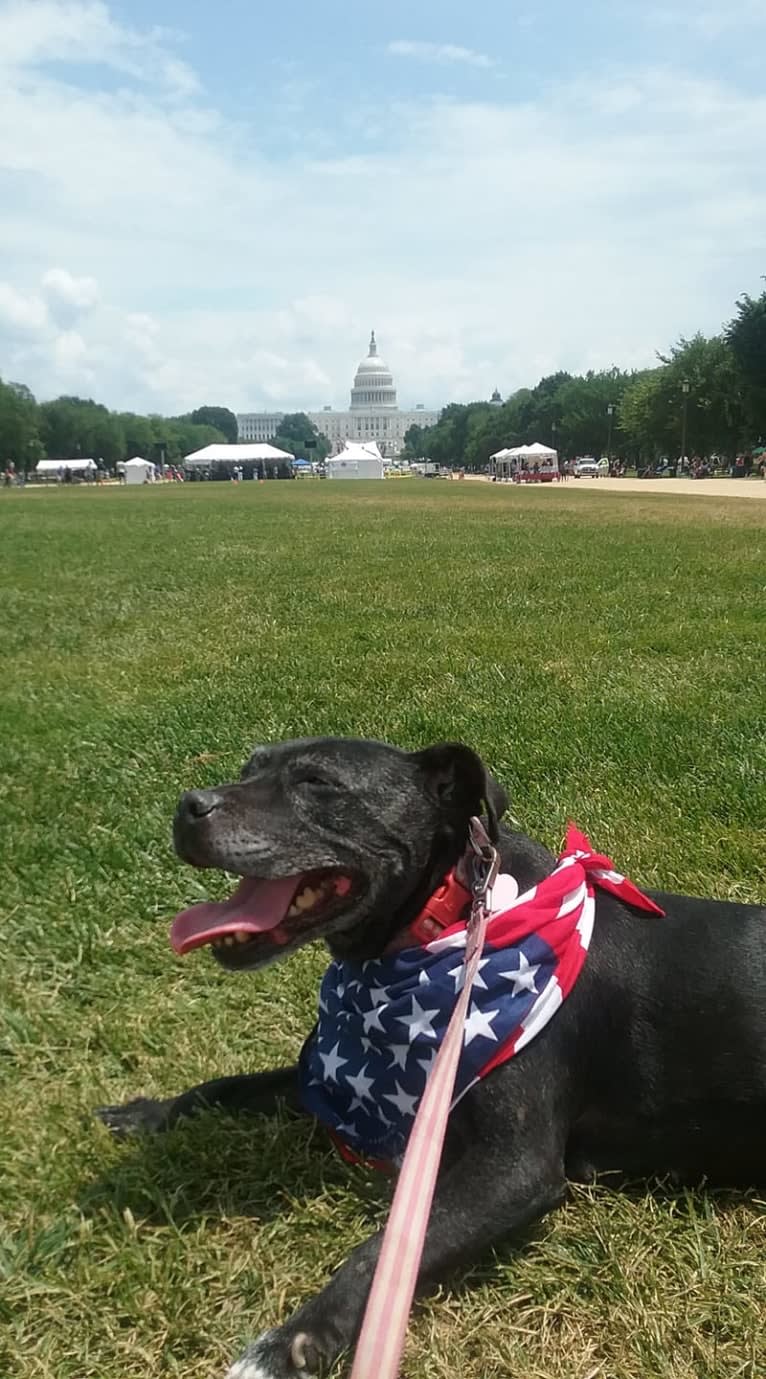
(700, 488)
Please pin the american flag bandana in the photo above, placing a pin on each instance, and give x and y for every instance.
(364, 1067)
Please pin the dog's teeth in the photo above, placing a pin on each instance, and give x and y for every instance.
(228, 940)
(241, 936)
(307, 899)
(293, 912)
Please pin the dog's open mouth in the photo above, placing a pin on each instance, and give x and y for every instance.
(261, 914)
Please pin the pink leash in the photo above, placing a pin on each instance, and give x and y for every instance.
(381, 1340)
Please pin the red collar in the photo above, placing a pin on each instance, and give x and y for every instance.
(446, 906)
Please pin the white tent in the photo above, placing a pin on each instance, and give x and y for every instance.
(138, 470)
(524, 457)
(356, 462)
(359, 450)
(536, 451)
(235, 454)
(53, 466)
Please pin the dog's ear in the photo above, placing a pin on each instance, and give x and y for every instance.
(457, 778)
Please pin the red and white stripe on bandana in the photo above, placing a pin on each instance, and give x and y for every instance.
(365, 1065)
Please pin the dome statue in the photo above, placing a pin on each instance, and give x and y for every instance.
(373, 382)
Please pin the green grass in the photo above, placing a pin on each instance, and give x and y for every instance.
(605, 654)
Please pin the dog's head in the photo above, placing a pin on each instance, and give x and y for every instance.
(334, 838)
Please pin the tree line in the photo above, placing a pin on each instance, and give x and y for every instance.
(69, 428)
(707, 395)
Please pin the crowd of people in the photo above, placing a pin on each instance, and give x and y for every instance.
(746, 465)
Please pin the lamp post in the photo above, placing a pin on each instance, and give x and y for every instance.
(685, 390)
(610, 414)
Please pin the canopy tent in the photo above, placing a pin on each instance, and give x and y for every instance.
(536, 451)
(354, 450)
(356, 462)
(235, 454)
(138, 471)
(523, 458)
(76, 466)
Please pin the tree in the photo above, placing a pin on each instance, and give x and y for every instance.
(295, 430)
(176, 437)
(138, 435)
(643, 419)
(487, 431)
(62, 426)
(19, 427)
(414, 442)
(76, 426)
(583, 426)
(446, 443)
(24, 393)
(652, 410)
(106, 437)
(746, 337)
(220, 417)
(715, 413)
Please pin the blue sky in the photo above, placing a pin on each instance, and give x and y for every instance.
(217, 202)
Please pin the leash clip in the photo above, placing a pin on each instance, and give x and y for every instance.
(485, 865)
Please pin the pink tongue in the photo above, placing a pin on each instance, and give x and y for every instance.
(256, 907)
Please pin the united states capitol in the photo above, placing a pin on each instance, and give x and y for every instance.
(373, 415)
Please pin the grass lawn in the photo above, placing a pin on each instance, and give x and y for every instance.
(605, 654)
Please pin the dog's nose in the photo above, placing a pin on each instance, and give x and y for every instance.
(197, 804)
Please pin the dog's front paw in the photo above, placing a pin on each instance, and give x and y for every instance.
(284, 1354)
(140, 1117)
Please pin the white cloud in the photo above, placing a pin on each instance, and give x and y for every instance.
(70, 354)
(157, 258)
(709, 21)
(68, 297)
(438, 52)
(19, 311)
(38, 31)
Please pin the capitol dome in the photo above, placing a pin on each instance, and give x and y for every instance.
(373, 382)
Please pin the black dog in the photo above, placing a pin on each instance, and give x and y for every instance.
(655, 1064)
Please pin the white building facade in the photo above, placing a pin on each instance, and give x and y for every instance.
(374, 413)
(258, 426)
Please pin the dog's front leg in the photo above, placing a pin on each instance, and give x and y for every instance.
(247, 1093)
(485, 1196)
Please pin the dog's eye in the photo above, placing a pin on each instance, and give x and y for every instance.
(312, 780)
